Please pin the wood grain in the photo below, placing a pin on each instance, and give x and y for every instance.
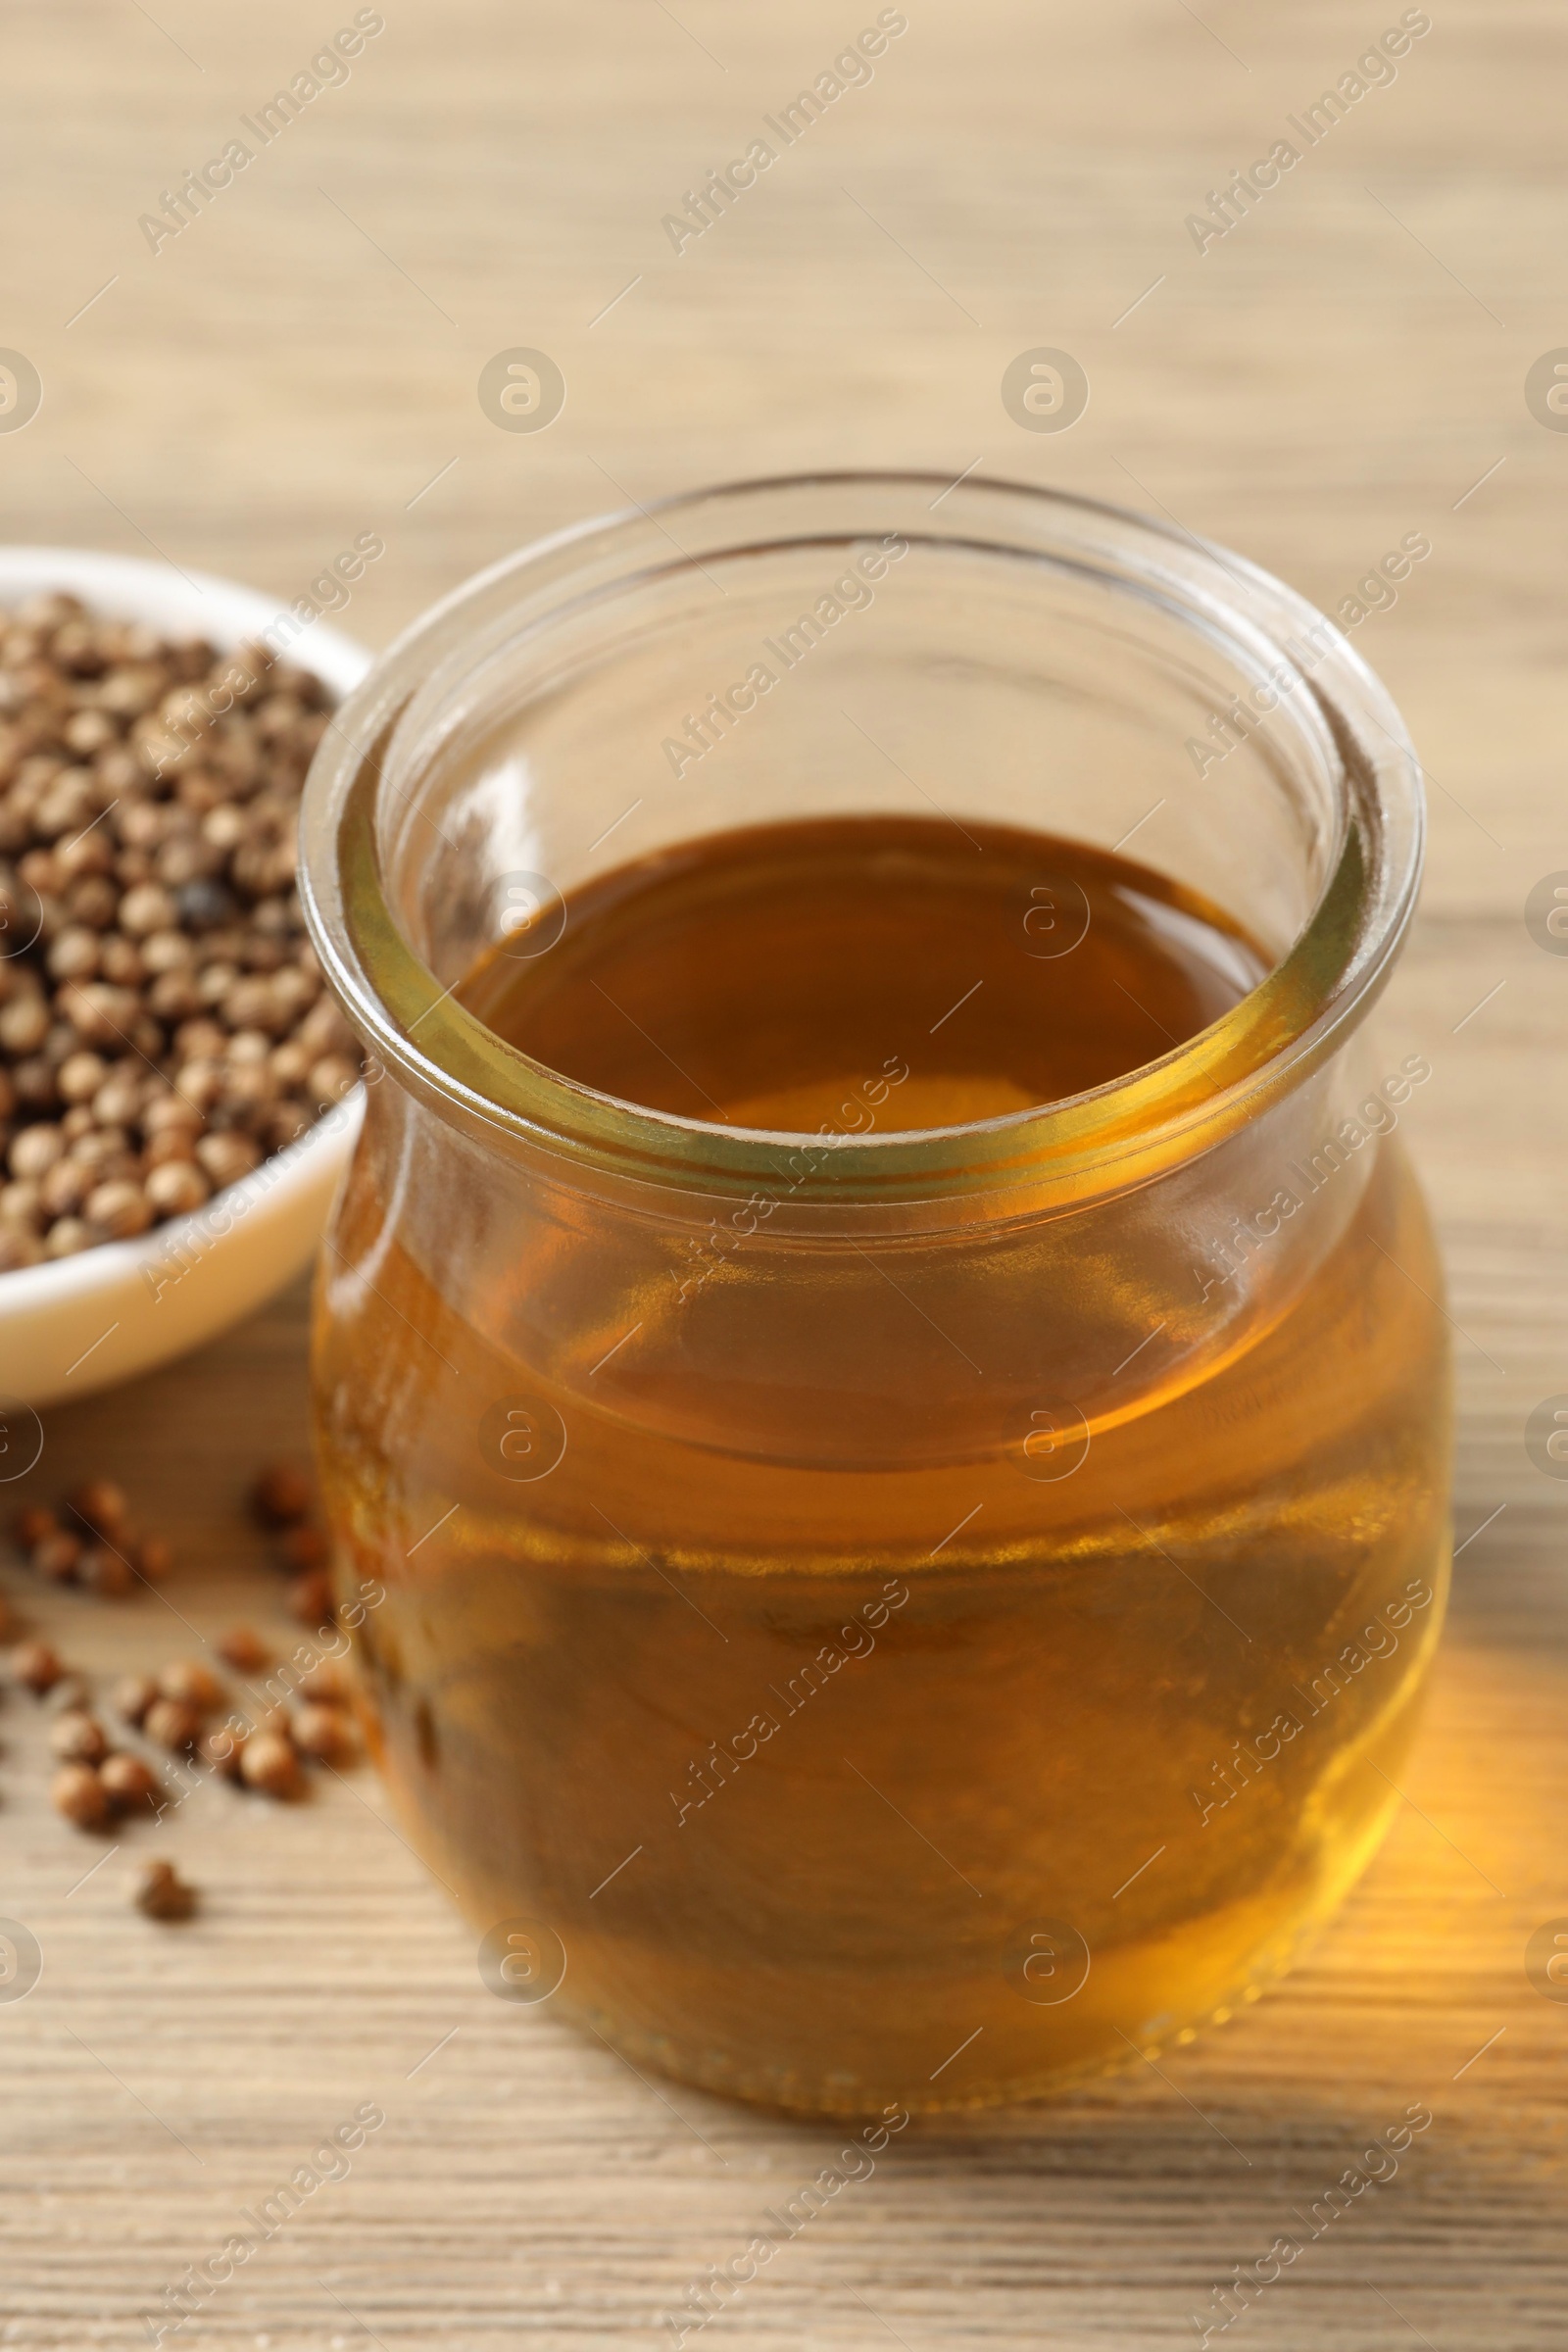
(297, 367)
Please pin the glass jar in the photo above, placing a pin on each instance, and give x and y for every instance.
(882, 1616)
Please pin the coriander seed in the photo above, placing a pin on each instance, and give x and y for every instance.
(191, 1683)
(36, 1666)
(267, 1762)
(77, 1737)
(78, 1794)
(127, 1782)
(163, 1893)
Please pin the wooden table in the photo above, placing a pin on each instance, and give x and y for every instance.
(299, 366)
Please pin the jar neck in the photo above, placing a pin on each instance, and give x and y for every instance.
(389, 843)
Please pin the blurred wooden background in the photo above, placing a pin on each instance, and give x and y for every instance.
(299, 366)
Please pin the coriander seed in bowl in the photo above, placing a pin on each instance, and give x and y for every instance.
(176, 1091)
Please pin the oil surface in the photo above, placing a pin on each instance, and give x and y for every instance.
(754, 976)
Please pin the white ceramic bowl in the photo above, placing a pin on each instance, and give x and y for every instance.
(88, 1321)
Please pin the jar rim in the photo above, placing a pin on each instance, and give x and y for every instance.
(1105, 1139)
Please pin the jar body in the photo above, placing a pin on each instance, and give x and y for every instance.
(823, 1686)
(901, 1616)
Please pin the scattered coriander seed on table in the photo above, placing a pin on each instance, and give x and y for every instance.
(241, 1648)
(163, 1893)
(127, 1782)
(326, 1681)
(267, 1762)
(100, 1505)
(78, 1794)
(191, 1683)
(77, 1737)
(310, 1597)
(281, 1494)
(170, 1724)
(133, 1695)
(36, 1666)
(322, 1732)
